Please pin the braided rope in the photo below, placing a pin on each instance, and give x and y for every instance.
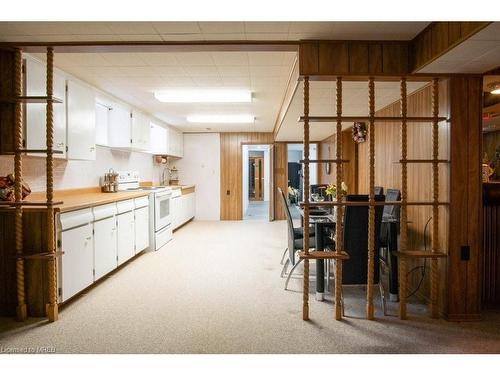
(404, 192)
(371, 213)
(18, 188)
(52, 271)
(338, 220)
(305, 294)
(435, 198)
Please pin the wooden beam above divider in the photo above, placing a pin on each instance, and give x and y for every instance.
(355, 58)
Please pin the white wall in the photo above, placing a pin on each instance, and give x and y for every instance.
(201, 166)
(74, 174)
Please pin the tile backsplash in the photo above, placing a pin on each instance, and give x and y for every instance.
(73, 174)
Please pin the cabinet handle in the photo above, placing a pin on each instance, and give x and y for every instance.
(60, 144)
(89, 238)
(92, 148)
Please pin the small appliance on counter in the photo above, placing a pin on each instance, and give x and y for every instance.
(110, 182)
(174, 176)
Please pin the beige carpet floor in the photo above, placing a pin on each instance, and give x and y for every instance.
(216, 289)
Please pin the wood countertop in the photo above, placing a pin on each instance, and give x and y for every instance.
(75, 199)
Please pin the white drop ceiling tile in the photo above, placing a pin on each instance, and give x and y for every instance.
(208, 81)
(169, 70)
(12, 29)
(82, 28)
(179, 81)
(265, 58)
(267, 36)
(106, 71)
(177, 27)
(289, 58)
(159, 59)
(220, 36)
(141, 37)
(267, 27)
(201, 70)
(233, 71)
(222, 27)
(43, 28)
(121, 28)
(181, 37)
(79, 59)
(15, 38)
(309, 35)
(230, 58)
(268, 71)
(194, 58)
(264, 82)
(98, 38)
(304, 27)
(243, 81)
(137, 71)
(123, 59)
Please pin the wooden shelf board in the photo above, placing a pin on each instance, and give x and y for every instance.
(326, 161)
(27, 203)
(376, 203)
(30, 99)
(419, 254)
(323, 255)
(416, 161)
(43, 256)
(368, 118)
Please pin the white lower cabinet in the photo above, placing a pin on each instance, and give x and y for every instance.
(141, 224)
(126, 236)
(105, 247)
(77, 261)
(183, 209)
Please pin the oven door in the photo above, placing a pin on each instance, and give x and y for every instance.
(162, 210)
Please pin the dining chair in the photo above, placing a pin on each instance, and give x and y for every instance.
(378, 190)
(294, 236)
(356, 241)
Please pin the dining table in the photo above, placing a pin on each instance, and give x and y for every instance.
(327, 220)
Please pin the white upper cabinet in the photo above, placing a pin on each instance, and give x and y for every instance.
(175, 143)
(35, 78)
(140, 131)
(81, 122)
(101, 124)
(119, 127)
(158, 139)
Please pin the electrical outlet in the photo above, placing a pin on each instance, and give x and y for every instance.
(465, 252)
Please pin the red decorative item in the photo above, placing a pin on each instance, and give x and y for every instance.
(7, 186)
(359, 132)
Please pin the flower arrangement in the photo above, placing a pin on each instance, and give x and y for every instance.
(359, 132)
(331, 190)
(293, 194)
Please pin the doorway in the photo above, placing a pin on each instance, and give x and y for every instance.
(256, 181)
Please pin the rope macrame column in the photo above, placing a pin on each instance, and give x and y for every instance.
(404, 212)
(21, 311)
(371, 212)
(435, 198)
(305, 292)
(52, 308)
(338, 219)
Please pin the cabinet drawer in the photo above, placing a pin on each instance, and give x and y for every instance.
(104, 211)
(141, 202)
(125, 206)
(76, 218)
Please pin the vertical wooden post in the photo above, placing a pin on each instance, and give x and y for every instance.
(435, 200)
(52, 308)
(338, 226)
(305, 292)
(21, 311)
(404, 212)
(371, 212)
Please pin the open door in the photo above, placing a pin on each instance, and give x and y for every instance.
(271, 182)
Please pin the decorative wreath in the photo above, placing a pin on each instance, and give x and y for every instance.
(359, 132)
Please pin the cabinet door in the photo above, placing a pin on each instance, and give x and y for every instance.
(126, 236)
(119, 131)
(105, 246)
(141, 229)
(158, 140)
(77, 265)
(101, 124)
(180, 145)
(35, 76)
(81, 122)
(140, 131)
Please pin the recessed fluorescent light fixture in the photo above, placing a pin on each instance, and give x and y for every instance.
(221, 119)
(204, 96)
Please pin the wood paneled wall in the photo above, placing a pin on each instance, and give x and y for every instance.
(388, 173)
(280, 177)
(231, 170)
(328, 149)
(438, 38)
(330, 58)
(464, 292)
(6, 109)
